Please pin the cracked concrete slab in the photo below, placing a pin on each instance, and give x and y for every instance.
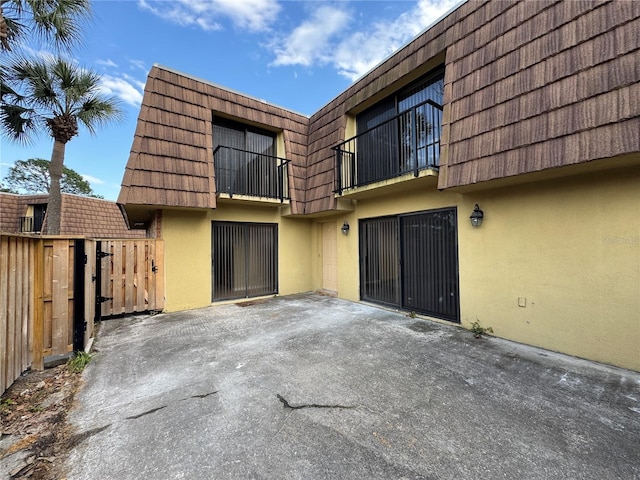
(309, 386)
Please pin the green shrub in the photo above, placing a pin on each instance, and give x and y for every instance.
(478, 330)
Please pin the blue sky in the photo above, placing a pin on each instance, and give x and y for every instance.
(295, 54)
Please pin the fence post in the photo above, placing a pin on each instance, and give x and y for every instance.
(38, 302)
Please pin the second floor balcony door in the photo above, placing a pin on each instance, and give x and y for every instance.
(398, 135)
(245, 165)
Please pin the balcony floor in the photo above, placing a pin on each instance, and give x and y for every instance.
(225, 198)
(426, 178)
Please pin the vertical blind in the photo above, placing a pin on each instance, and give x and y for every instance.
(411, 261)
(244, 259)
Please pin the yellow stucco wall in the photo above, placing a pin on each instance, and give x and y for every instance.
(187, 251)
(557, 265)
(187, 237)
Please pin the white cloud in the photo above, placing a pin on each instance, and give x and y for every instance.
(134, 81)
(139, 64)
(312, 41)
(124, 88)
(324, 39)
(107, 63)
(92, 179)
(253, 15)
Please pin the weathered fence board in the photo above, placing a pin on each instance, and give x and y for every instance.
(38, 293)
(89, 292)
(4, 286)
(60, 337)
(15, 292)
(38, 306)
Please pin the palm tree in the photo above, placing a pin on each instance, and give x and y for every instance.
(55, 21)
(54, 95)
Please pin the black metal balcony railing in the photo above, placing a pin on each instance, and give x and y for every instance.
(241, 172)
(27, 225)
(408, 142)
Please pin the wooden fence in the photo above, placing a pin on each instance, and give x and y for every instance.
(50, 288)
(128, 276)
(17, 258)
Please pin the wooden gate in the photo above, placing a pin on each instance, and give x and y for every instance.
(131, 276)
(50, 287)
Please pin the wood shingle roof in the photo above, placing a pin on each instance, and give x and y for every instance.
(171, 161)
(529, 86)
(86, 216)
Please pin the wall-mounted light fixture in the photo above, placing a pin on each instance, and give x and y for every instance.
(476, 216)
(345, 228)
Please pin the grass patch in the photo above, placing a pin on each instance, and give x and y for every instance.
(78, 362)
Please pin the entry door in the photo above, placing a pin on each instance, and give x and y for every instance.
(411, 261)
(329, 257)
(244, 260)
(380, 260)
(430, 263)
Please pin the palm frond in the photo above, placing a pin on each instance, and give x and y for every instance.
(49, 93)
(7, 92)
(37, 83)
(98, 111)
(19, 124)
(59, 20)
(13, 30)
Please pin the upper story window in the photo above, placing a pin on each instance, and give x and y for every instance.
(32, 222)
(245, 161)
(396, 136)
(429, 87)
(228, 133)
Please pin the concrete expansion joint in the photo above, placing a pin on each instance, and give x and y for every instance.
(311, 405)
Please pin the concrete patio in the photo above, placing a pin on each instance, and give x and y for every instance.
(313, 387)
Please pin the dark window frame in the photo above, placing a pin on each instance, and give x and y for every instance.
(427, 276)
(396, 136)
(245, 161)
(390, 104)
(234, 239)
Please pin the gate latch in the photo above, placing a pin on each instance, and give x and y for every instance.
(102, 299)
(102, 254)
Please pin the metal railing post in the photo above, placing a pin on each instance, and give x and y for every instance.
(280, 171)
(414, 133)
(339, 172)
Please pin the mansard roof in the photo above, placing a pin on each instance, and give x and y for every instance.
(171, 161)
(529, 87)
(86, 216)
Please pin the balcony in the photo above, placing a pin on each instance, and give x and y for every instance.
(31, 224)
(250, 174)
(405, 144)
